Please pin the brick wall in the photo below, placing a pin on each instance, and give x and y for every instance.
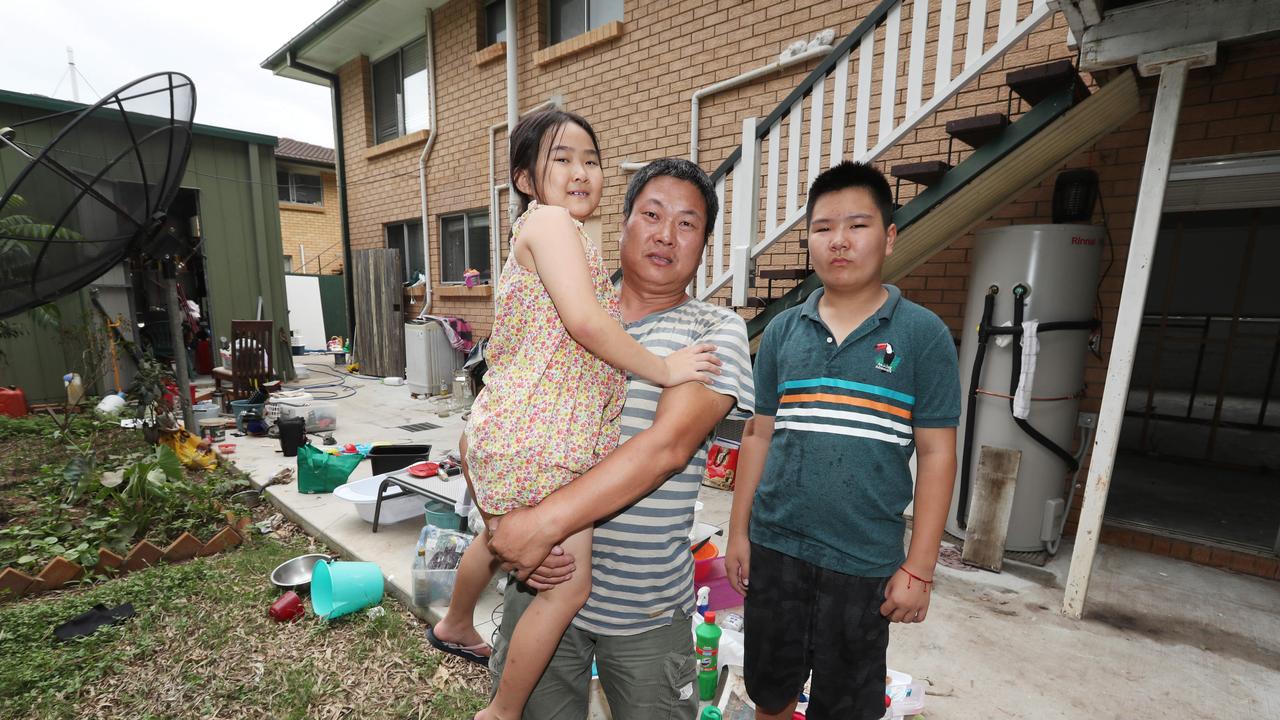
(317, 229)
(635, 90)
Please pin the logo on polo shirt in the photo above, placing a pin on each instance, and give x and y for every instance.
(887, 360)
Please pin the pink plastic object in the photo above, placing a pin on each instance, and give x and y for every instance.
(713, 576)
(227, 448)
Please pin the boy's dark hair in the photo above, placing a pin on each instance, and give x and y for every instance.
(853, 175)
(681, 170)
(526, 144)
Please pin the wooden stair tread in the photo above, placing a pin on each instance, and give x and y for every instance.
(924, 173)
(785, 273)
(1034, 84)
(978, 131)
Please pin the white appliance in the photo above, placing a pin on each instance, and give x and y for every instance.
(430, 360)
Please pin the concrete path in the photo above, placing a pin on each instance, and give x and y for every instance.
(1162, 638)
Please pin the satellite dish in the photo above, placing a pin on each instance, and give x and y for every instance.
(96, 193)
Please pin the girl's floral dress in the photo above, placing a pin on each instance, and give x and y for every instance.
(549, 409)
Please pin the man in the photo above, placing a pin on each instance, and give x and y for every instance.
(641, 497)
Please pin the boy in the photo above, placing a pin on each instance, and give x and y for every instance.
(847, 385)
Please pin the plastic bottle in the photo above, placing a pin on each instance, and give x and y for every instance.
(707, 648)
(704, 599)
(75, 389)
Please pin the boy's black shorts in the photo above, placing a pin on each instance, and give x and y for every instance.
(802, 618)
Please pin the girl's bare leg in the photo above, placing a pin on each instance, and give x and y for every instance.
(474, 573)
(538, 634)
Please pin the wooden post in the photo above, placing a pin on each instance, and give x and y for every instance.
(1172, 67)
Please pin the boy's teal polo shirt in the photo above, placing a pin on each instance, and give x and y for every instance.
(836, 480)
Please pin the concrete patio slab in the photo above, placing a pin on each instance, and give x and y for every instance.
(1161, 637)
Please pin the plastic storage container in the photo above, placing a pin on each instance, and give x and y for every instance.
(390, 458)
(319, 417)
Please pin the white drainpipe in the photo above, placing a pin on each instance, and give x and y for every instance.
(746, 77)
(495, 240)
(513, 98)
(422, 161)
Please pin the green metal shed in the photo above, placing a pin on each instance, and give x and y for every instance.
(230, 184)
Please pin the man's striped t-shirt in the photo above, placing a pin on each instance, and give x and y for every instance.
(641, 568)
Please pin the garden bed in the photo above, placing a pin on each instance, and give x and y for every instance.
(103, 499)
(202, 645)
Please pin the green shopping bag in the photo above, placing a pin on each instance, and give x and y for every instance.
(320, 472)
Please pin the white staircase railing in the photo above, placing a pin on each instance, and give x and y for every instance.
(880, 117)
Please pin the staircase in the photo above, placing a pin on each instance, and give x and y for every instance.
(804, 135)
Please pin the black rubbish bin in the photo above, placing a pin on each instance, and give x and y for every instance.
(293, 433)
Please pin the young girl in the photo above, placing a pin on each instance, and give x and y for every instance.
(554, 389)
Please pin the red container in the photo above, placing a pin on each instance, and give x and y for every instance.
(287, 607)
(203, 357)
(13, 402)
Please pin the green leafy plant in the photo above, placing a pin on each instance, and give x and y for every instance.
(19, 235)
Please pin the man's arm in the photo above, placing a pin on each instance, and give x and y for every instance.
(686, 414)
(751, 457)
(907, 598)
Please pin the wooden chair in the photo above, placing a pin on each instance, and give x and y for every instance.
(252, 359)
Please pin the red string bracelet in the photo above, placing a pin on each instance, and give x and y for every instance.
(912, 576)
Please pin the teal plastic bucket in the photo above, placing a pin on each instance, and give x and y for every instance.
(339, 588)
(441, 515)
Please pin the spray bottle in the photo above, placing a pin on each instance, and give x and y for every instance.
(707, 648)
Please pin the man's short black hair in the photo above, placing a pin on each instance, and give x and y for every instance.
(679, 169)
(853, 175)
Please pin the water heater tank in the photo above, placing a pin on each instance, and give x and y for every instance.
(1058, 265)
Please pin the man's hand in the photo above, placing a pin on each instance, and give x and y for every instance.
(521, 542)
(737, 562)
(906, 598)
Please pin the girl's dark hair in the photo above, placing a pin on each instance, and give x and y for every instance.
(526, 145)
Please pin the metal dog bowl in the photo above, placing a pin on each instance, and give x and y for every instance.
(295, 574)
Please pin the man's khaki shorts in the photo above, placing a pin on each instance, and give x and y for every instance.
(649, 676)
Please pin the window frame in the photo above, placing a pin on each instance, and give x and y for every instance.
(588, 24)
(292, 185)
(466, 217)
(406, 266)
(402, 124)
(485, 40)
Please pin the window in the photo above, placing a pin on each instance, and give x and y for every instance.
(569, 18)
(495, 22)
(288, 263)
(300, 188)
(400, 92)
(464, 244)
(407, 238)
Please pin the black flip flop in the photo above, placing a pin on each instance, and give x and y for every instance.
(466, 652)
(87, 623)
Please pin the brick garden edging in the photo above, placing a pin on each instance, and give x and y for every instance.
(59, 571)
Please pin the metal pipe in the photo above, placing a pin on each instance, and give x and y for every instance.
(733, 82)
(513, 97)
(422, 162)
(495, 227)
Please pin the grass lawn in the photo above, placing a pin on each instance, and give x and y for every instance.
(203, 646)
